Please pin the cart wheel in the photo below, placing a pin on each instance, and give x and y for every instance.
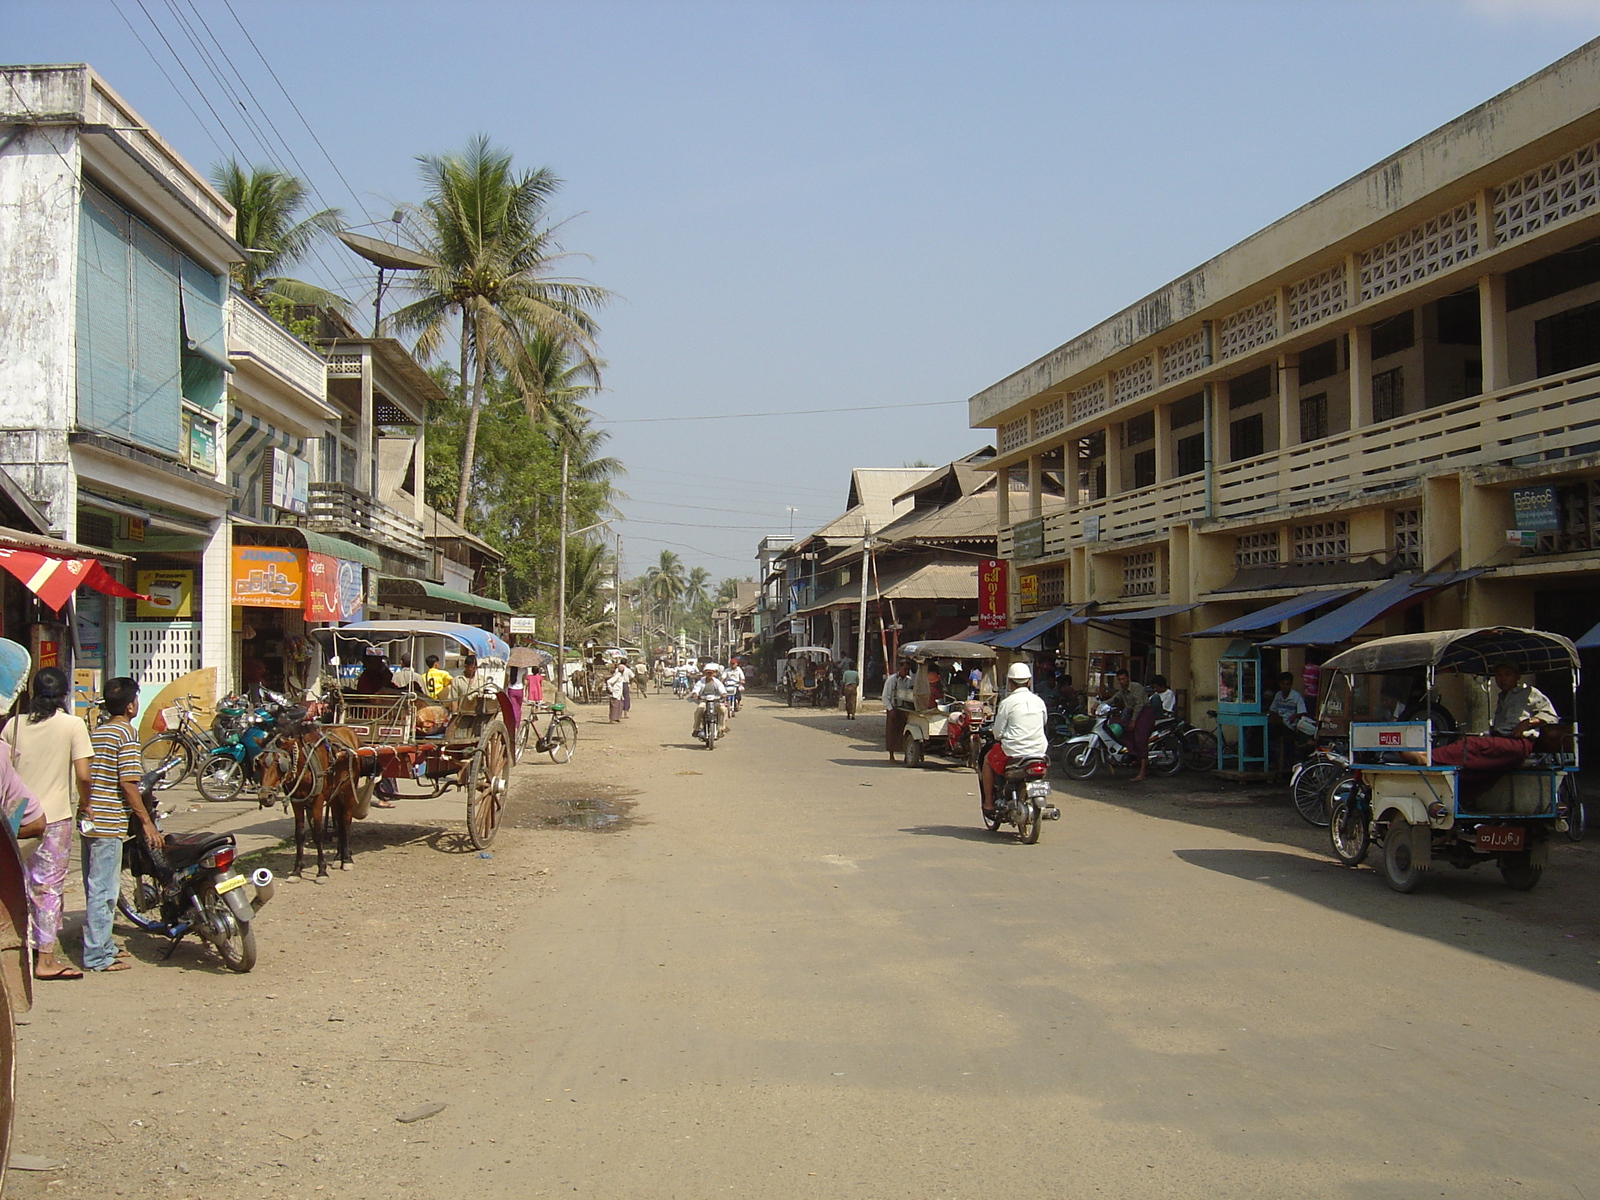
(486, 786)
(1519, 872)
(1347, 826)
(8, 1073)
(1399, 870)
(913, 752)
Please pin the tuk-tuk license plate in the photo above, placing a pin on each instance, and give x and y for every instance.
(1494, 838)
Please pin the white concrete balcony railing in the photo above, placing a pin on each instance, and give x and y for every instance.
(1528, 423)
(253, 334)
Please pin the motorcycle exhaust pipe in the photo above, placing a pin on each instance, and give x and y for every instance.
(265, 887)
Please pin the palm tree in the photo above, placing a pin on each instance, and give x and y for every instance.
(665, 581)
(489, 230)
(695, 587)
(266, 206)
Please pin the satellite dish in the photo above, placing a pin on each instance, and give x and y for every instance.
(385, 254)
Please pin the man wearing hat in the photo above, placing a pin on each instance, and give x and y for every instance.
(708, 685)
(1018, 731)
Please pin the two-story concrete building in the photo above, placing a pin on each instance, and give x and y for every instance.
(1378, 413)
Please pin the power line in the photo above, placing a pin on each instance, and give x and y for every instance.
(171, 82)
(798, 412)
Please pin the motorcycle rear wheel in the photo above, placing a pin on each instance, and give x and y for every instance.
(1032, 820)
(220, 778)
(1166, 755)
(234, 941)
(1348, 829)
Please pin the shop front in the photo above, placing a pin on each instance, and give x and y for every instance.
(279, 593)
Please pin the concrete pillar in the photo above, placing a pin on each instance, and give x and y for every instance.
(1492, 324)
(1002, 498)
(1163, 444)
(364, 426)
(1288, 400)
(1035, 486)
(1360, 376)
(216, 610)
(1114, 458)
(1441, 519)
(1485, 516)
(1071, 469)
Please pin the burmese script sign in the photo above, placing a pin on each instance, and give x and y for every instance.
(992, 594)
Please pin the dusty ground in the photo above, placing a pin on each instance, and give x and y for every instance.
(177, 1077)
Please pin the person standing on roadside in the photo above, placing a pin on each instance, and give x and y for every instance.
(113, 796)
(617, 690)
(627, 687)
(899, 696)
(850, 688)
(50, 750)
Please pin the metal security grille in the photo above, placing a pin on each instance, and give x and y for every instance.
(1407, 536)
(1139, 574)
(1256, 549)
(1388, 394)
(1314, 417)
(1322, 542)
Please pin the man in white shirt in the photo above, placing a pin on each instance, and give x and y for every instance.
(1519, 708)
(899, 695)
(1018, 731)
(708, 685)
(734, 678)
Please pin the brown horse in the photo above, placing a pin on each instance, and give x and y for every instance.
(315, 770)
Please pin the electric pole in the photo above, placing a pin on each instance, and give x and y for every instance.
(561, 589)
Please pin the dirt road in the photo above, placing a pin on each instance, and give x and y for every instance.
(800, 972)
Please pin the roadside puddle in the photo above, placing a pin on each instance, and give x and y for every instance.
(606, 812)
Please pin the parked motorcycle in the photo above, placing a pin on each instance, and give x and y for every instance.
(1084, 754)
(229, 768)
(189, 886)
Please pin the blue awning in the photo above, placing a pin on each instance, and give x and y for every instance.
(1590, 640)
(1145, 614)
(1267, 617)
(1344, 622)
(1014, 639)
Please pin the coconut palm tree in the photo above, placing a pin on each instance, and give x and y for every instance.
(696, 587)
(489, 229)
(267, 222)
(665, 582)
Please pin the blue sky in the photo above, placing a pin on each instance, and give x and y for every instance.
(822, 205)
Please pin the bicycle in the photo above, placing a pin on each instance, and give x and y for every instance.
(559, 739)
(1313, 782)
(1200, 746)
(173, 752)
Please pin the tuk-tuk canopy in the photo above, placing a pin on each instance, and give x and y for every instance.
(921, 651)
(809, 651)
(1464, 651)
(479, 642)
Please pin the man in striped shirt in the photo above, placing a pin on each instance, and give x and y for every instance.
(114, 770)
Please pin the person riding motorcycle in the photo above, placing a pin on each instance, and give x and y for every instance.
(1018, 730)
(734, 678)
(709, 685)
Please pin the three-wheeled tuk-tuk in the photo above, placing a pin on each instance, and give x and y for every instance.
(948, 713)
(1424, 794)
(808, 676)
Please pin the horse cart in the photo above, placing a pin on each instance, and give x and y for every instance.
(425, 747)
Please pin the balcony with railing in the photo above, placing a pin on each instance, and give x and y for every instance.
(341, 510)
(254, 335)
(1530, 423)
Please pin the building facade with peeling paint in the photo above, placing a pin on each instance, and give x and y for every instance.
(1396, 387)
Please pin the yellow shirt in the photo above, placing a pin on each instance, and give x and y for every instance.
(436, 679)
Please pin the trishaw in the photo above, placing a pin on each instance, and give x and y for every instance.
(1423, 811)
(406, 736)
(948, 714)
(808, 676)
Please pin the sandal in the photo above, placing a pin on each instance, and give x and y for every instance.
(383, 804)
(62, 971)
(116, 964)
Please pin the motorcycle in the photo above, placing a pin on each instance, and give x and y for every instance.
(189, 885)
(1085, 754)
(232, 765)
(1021, 798)
(708, 725)
(735, 699)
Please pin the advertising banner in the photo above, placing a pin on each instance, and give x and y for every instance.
(268, 577)
(1535, 508)
(992, 594)
(334, 590)
(171, 595)
(1027, 538)
(1028, 591)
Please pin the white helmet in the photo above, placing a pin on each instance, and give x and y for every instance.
(1020, 672)
(714, 668)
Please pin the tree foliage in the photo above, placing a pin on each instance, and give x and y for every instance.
(267, 222)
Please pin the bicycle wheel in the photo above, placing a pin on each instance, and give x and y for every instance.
(563, 739)
(1576, 817)
(169, 754)
(1311, 789)
(1200, 750)
(527, 734)
(220, 778)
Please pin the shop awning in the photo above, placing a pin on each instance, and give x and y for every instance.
(1272, 615)
(53, 577)
(1590, 640)
(293, 537)
(1344, 622)
(1146, 614)
(1015, 639)
(399, 592)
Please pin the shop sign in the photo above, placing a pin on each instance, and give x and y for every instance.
(1091, 527)
(171, 595)
(1526, 539)
(1027, 539)
(334, 590)
(523, 625)
(199, 442)
(288, 481)
(1535, 508)
(1028, 591)
(268, 577)
(992, 594)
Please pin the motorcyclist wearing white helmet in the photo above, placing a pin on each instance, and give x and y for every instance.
(1019, 723)
(709, 685)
